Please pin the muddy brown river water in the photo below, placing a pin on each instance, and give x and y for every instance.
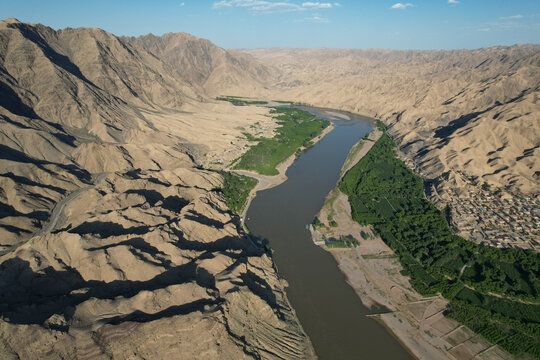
(329, 310)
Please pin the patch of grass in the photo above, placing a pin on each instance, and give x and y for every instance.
(344, 242)
(352, 154)
(236, 189)
(335, 244)
(380, 125)
(297, 129)
(238, 101)
(329, 203)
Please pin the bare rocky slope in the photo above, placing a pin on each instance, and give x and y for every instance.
(218, 71)
(113, 244)
(473, 111)
(68, 98)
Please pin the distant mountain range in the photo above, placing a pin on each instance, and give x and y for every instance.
(216, 70)
(474, 111)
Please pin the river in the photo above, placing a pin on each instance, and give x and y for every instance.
(329, 310)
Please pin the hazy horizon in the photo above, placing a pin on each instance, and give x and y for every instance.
(252, 24)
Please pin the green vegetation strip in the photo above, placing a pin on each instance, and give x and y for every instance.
(236, 189)
(495, 292)
(238, 101)
(283, 102)
(297, 129)
(344, 242)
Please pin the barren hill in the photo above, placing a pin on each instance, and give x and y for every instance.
(474, 111)
(218, 71)
(112, 244)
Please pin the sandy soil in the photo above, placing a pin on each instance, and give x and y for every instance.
(373, 270)
(215, 130)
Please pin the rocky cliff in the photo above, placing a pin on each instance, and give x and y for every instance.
(218, 71)
(113, 244)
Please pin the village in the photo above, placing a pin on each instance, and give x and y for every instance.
(498, 218)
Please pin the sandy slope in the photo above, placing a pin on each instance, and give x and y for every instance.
(474, 111)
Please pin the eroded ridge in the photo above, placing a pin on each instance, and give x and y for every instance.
(146, 264)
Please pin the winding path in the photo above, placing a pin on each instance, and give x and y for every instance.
(57, 212)
(58, 209)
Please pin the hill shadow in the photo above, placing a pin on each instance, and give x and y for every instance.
(172, 203)
(105, 229)
(7, 153)
(28, 297)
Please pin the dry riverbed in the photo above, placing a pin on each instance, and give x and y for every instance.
(373, 270)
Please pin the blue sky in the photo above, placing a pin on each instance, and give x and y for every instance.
(411, 24)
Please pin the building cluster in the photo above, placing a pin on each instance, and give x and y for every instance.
(500, 219)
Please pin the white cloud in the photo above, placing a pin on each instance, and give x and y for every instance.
(511, 17)
(454, 2)
(401, 6)
(242, 3)
(273, 7)
(182, 4)
(316, 18)
(267, 7)
(316, 5)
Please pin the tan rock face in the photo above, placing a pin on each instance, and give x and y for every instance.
(82, 101)
(143, 249)
(83, 80)
(113, 245)
(218, 71)
(474, 111)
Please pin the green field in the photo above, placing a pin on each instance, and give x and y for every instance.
(497, 295)
(297, 129)
(236, 189)
(344, 242)
(239, 101)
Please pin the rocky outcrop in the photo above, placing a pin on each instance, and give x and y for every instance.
(85, 80)
(218, 71)
(69, 107)
(146, 264)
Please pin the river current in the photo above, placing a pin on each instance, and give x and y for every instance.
(329, 310)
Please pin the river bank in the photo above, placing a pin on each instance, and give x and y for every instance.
(373, 271)
(329, 310)
(265, 182)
